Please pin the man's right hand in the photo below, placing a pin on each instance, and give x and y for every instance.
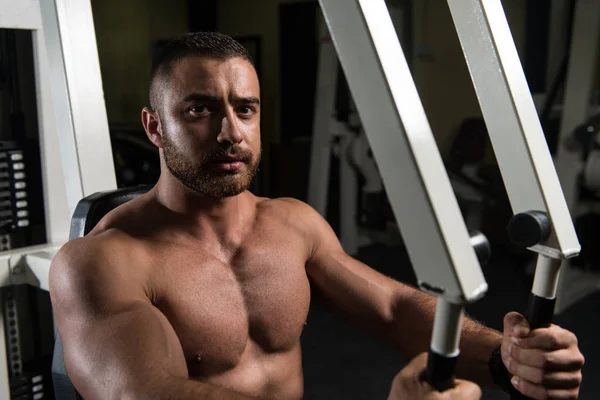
(410, 384)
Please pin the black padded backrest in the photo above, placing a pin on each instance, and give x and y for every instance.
(89, 211)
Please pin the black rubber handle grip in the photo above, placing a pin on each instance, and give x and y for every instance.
(539, 314)
(441, 371)
(540, 311)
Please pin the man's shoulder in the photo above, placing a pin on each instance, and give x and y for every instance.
(288, 207)
(101, 247)
(297, 214)
(97, 256)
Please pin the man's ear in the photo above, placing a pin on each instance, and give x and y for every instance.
(152, 126)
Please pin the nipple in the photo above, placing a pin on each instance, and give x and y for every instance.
(199, 358)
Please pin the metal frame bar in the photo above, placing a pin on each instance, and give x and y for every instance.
(411, 168)
(403, 145)
(74, 138)
(79, 98)
(26, 14)
(512, 121)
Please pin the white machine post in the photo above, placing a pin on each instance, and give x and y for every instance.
(76, 81)
(411, 167)
(76, 154)
(542, 221)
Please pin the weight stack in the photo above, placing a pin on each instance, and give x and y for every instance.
(14, 198)
(29, 341)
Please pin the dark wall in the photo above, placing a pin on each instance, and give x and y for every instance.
(298, 68)
(202, 15)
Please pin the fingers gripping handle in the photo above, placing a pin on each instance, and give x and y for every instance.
(539, 315)
(541, 302)
(529, 229)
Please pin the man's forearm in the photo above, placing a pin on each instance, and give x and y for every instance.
(414, 315)
(477, 343)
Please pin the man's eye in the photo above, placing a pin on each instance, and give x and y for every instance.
(246, 110)
(199, 109)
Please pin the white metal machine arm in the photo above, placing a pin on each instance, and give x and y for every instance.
(413, 173)
(512, 121)
(542, 221)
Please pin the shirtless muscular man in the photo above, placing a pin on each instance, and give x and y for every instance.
(199, 289)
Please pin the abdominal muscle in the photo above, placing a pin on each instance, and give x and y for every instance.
(259, 374)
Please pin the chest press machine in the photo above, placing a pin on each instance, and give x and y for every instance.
(443, 254)
(77, 156)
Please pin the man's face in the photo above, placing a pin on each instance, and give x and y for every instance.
(210, 118)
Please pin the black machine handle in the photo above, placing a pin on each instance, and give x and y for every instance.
(441, 371)
(528, 229)
(540, 311)
(539, 314)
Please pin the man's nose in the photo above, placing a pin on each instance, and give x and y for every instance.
(229, 132)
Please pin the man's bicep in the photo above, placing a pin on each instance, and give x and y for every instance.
(114, 339)
(122, 352)
(345, 282)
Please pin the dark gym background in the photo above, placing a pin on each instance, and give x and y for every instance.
(282, 35)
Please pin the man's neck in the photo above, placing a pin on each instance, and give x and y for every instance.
(223, 220)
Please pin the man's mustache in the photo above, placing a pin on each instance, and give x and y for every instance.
(234, 152)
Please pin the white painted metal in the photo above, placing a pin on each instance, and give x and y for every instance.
(4, 280)
(22, 14)
(38, 264)
(446, 328)
(56, 210)
(26, 15)
(62, 105)
(76, 155)
(73, 24)
(516, 134)
(547, 272)
(402, 143)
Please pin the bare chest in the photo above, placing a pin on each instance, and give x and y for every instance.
(261, 297)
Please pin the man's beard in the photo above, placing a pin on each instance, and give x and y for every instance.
(199, 176)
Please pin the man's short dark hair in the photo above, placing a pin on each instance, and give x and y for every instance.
(195, 44)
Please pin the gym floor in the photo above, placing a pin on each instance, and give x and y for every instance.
(341, 362)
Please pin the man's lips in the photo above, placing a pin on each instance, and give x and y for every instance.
(228, 163)
(227, 159)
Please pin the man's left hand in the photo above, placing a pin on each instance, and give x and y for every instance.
(544, 363)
